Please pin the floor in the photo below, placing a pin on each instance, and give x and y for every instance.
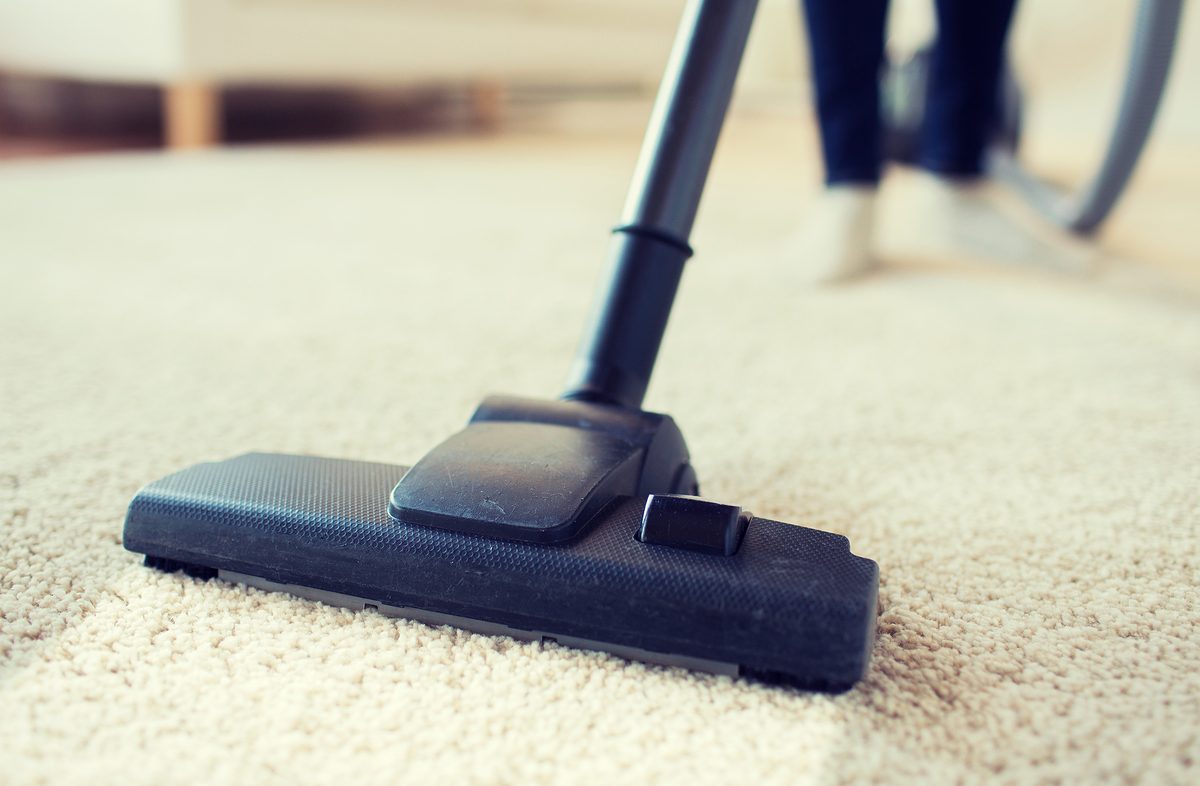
(1017, 449)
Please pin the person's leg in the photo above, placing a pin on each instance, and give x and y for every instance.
(846, 48)
(958, 215)
(964, 81)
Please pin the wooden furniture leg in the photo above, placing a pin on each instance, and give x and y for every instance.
(487, 104)
(191, 115)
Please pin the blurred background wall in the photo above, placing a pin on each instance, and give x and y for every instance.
(100, 74)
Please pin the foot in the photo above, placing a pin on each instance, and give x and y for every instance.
(981, 221)
(835, 242)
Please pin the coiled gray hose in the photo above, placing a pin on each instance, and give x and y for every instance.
(1155, 29)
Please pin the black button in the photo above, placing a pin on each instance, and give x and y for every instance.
(692, 523)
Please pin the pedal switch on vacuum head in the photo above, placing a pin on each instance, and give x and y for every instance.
(688, 522)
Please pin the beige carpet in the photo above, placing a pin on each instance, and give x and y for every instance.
(1019, 451)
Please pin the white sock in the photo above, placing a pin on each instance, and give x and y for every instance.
(982, 221)
(835, 241)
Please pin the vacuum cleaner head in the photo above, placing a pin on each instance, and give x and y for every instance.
(669, 579)
(574, 520)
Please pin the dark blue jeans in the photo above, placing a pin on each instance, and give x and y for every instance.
(846, 39)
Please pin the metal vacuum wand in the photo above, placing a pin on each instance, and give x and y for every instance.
(650, 247)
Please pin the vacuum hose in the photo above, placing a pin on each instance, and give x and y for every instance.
(1154, 37)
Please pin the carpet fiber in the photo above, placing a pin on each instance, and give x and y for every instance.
(1019, 451)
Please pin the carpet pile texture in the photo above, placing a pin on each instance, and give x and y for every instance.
(1019, 451)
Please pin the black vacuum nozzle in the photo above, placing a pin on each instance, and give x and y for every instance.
(790, 604)
(573, 521)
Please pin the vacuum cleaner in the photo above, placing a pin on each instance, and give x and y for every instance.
(574, 520)
(578, 520)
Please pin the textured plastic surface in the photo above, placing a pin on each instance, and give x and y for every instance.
(689, 522)
(793, 604)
